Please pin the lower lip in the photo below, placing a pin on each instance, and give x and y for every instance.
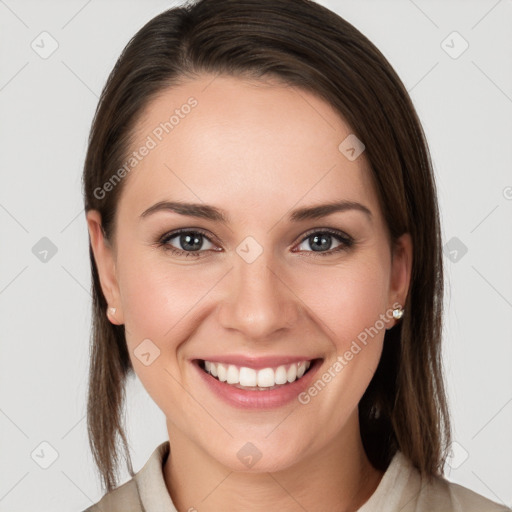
(254, 399)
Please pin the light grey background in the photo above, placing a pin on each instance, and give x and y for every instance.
(46, 107)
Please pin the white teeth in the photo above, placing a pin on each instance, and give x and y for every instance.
(292, 373)
(301, 369)
(249, 377)
(233, 375)
(266, 378)
(281, 376)
(221, 371)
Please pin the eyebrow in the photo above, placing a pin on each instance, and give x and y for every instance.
(204, 211)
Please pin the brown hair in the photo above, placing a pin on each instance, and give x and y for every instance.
(303, 44)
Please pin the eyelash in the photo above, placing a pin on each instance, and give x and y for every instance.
(346, 241)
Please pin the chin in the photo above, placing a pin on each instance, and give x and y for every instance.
(254, 456)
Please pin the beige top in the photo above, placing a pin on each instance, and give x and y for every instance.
(401, 489)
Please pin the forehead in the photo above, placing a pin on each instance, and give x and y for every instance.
(230, 141)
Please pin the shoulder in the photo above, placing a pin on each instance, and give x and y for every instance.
(146, 490)
(459, 498)
(440, 494)
(124, 498)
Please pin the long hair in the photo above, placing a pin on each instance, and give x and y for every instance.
(302, 44)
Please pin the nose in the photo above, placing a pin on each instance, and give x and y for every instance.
(259, 300)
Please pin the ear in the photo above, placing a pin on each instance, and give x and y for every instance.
(104, 257)
(402, 256)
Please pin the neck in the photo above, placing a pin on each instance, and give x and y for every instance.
(338, 477)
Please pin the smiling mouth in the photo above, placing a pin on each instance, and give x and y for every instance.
(250, 379)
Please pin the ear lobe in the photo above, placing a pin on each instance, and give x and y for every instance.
(105, 263)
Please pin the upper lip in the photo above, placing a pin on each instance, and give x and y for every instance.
(256, 362)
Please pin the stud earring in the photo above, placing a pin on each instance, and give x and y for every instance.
(112, 311)
(398, 313)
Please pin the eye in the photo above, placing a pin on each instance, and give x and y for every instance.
(189, 243)
(321, 240)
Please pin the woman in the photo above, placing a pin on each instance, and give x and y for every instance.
(266, 257)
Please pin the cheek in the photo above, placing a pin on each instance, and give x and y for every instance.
(348, 298)
(155, 294)
(158, 300)
(163, 305)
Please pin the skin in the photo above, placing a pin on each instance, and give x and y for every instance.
(256, 150)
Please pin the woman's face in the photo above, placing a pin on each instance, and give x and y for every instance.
(266, 287)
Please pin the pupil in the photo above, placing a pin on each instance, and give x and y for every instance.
(188, 242)
(324, 241)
